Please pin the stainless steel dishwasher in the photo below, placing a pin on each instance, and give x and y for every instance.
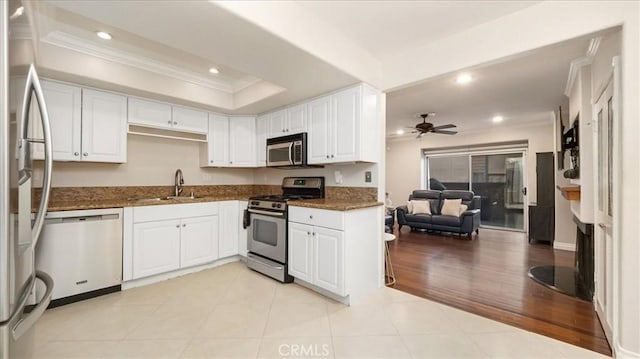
(82, 251)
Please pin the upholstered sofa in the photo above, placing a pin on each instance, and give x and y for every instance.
(467, 222)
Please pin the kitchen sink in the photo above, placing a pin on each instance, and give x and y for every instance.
(158, 199)
(144, 199)
(180, 198)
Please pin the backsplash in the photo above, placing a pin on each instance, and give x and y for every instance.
(61, 194)
(364, 194)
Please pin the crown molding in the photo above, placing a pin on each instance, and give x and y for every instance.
(576, 64)
(574, 68)
(73, 43)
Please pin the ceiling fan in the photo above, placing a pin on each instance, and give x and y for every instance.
(426, 127)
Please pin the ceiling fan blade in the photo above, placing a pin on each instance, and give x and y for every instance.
(419, 136)
(442, 127)
(445, 132)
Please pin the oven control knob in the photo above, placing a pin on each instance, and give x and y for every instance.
(279, 205)
(273, 205)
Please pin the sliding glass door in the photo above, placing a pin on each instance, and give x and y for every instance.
(499, 181)
(499, 178)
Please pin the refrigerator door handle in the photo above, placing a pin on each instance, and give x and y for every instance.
(26, 322)
(24, 154)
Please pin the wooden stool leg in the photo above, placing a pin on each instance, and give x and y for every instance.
(389, 275)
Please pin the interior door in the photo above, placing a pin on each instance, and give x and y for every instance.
(604, 113)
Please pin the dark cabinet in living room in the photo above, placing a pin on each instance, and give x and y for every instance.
(542, 215)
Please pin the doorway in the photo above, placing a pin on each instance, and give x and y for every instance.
(498, 177)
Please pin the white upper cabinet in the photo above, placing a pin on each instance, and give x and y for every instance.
(231, 143)
(319, 139)
(86, 125)
(288, 121)
(343, 127)
(64, 103)
(190, 120)
(167, 117)
(296, 119)
(242, 141)
(218, 145)
(149, 113)
(262, 128)
(277, 123)
(104, 127)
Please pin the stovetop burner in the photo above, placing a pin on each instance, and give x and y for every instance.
(293, 188)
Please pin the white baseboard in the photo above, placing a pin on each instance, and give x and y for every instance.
(326, 293)
(622, 353)
(177, 273)
(564, 246)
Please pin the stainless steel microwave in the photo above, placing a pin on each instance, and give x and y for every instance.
(287, 151)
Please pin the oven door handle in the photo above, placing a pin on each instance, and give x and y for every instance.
(267, 213)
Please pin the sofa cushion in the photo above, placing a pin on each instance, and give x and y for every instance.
(451, 207)
(442, 220)
(432, 196)
(420, 207)
(418, 218)
(466, 196)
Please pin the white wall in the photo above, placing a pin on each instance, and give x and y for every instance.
(404, 159)
(150, 162)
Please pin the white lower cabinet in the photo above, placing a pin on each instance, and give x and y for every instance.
(328, 259)
(301, 251)
(344, 260)
(198, 240)
(228, 244)
(242, 232)
(316, 253)
(164, 238)
(156, 247)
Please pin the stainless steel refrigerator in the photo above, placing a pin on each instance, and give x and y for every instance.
(20, 226)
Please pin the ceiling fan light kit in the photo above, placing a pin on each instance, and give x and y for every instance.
(426, 127)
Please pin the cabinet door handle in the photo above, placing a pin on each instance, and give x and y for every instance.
(331, 156)
(85, 154)
(308, 233)
(211, 161)
(314, 234)
(184, 225)
(327, 156)
(177, 226)
(169, 122)
(311, 217)
(76, 154)
(175, 123)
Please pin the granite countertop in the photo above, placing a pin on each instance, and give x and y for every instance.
(111, 203)
(335, 205)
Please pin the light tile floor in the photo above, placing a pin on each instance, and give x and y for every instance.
(233, 312)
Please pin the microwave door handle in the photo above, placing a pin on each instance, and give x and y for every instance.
(291, 160)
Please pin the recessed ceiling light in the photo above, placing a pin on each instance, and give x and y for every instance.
(464, 78)
(104, 35)
(400, 132)
(213, 70)
(19, 11)
(497, 119)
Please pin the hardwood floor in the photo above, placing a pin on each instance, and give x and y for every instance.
(488, 276)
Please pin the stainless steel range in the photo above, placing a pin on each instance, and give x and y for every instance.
(267, 232)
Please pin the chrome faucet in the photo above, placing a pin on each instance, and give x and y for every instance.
(179, 181)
